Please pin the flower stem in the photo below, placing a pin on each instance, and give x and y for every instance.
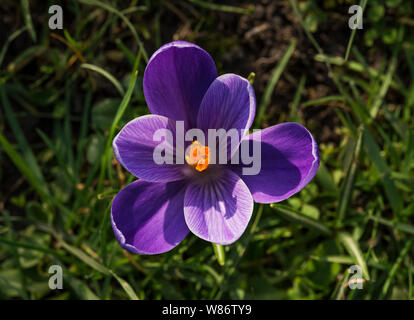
(219, 252)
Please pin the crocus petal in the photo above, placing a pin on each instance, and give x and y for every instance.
(134, 148)
(218, 210)
(148, 217)
(175, 80)
(229, 103)
(289, 160)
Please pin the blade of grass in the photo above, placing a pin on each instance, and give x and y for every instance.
(126, 286)
(325, 179)
(349, 260)
(276, 73)
(61, 162)
(408, 228)
(373, 152)
(307, 31)
(118, 116)
(125, 50)
(339, 292)
(24, 146)
(354, 251)
(9, 40)
(106, 74)
(83, 131)
(35, 247)
(28, 19)
(346, 120)
(293, 116)
(360, 112)
(22, 166)
(310, 223)
(395, 268)
(80, 288)
(385, 86)
(26, 57)
(236, 255)
(103, 228)
(323, 100)
(96, 40)
(81, 255)
(15, 253)
(358, 67)
(27, 173)
(398, 125)
(356, 94)
(362, 4)
(125, 19)
(346, 192)
(221, 7)
(67, 129)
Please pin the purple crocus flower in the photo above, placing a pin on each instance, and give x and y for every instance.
(215, 202)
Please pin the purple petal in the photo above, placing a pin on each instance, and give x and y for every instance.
(289, 161)
(175, 80)
(218, 210)
(148, 218)
(134, 148)
(229, 103)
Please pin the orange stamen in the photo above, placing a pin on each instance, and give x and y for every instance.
(198, 157)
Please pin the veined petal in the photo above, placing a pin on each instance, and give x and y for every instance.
(218, 210)
(229, 103)
(148, 217)
(135, 144)
(289, 159)
(175, 80)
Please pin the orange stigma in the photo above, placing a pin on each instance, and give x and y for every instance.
(198, 156)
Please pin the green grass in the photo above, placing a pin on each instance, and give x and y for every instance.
(64, 96)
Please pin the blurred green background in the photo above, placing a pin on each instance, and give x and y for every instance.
(65, 93)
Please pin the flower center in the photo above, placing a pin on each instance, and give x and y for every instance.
(198, 156)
